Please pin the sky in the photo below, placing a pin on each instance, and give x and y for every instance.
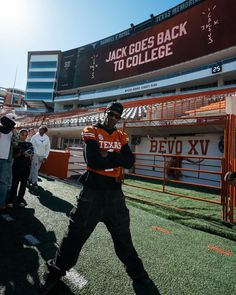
(35, 25)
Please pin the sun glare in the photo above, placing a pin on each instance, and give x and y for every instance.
(14, 13)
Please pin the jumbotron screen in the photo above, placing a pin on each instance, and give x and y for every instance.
(198, 31)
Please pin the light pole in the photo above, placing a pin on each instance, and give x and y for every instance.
(14, 86)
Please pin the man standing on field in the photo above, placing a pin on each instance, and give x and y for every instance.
(106, 150)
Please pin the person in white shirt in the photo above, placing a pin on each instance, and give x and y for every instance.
(41, 145)
(8, 138)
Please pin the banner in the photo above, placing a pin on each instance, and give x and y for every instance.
(67, 69)
(203, 29)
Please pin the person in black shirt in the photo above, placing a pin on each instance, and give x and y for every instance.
(106, 150)
(22, 155)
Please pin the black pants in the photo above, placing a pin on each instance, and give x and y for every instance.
(19, 176)
(93, 206)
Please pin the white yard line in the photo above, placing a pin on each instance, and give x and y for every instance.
(76, 279)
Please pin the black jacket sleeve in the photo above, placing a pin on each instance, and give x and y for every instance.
(124, 159)
(94, 160)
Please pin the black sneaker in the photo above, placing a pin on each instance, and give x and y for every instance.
(145, 287)
(35, 185)
(48, 282)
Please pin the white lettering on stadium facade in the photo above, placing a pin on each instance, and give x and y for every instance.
(146, 50)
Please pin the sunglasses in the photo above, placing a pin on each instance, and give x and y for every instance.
(112, 114)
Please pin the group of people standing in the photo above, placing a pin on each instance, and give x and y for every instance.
(106, 151)
(101, 199)
(21, 155)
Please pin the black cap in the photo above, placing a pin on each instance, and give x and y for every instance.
(115, 106)
(8, 123)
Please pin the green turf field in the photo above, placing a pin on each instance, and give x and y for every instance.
(183, 253)
(193, 213)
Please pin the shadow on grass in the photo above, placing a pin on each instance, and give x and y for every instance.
(196, 221)
(19, 258)
(50, 201)
(61, 289)
(16, 273)
(48, 178)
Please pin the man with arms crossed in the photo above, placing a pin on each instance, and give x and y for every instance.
(101, 200)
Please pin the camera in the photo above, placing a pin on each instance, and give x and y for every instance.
(28, 153)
